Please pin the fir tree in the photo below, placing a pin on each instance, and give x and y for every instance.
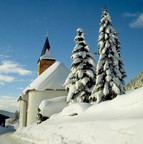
(121, 72)
(81, 80)
(16, 116)
(109, 71)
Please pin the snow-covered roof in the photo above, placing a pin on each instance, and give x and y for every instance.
(52, 78)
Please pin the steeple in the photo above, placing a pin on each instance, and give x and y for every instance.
(46, 52)
(46, 46)
(46, 59)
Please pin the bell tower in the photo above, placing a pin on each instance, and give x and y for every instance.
(46, 59)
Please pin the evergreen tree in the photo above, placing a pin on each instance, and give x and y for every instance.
(121, 72)
(109, 71)
(81, 79)
(16, 116)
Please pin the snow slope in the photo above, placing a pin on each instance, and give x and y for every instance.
(119, 121)
(136, 82)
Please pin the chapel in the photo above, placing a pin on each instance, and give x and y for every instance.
(47, 85)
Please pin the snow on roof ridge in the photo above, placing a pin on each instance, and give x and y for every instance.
(52, 78)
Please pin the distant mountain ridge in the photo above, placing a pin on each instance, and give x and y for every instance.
(136, 82)
(7, 113)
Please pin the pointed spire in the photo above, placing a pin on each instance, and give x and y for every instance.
(46, 52)
(46, 46)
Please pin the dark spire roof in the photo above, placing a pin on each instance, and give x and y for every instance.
(46, 47)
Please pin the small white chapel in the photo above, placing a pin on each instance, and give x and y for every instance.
(48, 84)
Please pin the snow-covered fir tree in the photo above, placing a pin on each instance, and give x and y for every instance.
(120, 62)
(81, 79)
(109, 72)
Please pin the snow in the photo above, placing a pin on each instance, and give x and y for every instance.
(107, 45)
(49, 107)
(3, 130)
(91, 61)
(106, 65)
(106, 36)
(78, 84)
(90, 73)
(85, 80)
(115, 88)
(108, 77)
(104, 50)
(99, 78)
(77, 60)
(6, 137)
(80, 66)
(52, 78)
(105, 90)
(47, 55)
(80, 73)
(101, 44)
(79, 30)
(107, 30)
(101, 29)
(118, 121)
(72, 90)
(73, 109)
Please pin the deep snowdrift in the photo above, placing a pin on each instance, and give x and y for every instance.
(119, 121)
(49, 107)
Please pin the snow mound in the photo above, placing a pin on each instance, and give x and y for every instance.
(52, 78)
(74, 109)
(129, 105)
(51, 106)
(119, 121)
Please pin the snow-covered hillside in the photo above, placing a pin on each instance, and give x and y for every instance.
(119, 121)
(136, 82)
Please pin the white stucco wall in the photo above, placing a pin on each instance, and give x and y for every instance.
(35, 98)
(23, 111)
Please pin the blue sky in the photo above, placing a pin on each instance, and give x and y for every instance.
(23, 27)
